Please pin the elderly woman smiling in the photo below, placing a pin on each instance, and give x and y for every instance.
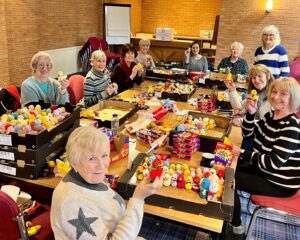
(83, 205)
(273, 167)
(40, 86)
(271, 53)
(234, 62)
(142, 55)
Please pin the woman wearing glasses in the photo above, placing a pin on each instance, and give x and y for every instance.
(271, 53)
(40, 86)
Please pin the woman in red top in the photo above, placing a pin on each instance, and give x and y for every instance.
(127, 72)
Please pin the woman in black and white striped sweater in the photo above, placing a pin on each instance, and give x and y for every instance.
(274, 163)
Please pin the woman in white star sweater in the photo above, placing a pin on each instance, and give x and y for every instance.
(83, 206)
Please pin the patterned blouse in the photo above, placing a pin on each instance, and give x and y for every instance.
(239, 67)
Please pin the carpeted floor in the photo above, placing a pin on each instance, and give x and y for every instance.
(155, 228)
(267, 229)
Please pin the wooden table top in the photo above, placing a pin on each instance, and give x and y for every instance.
(211, 224)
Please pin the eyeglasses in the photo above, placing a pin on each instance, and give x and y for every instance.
(42, 65)
(268, 35)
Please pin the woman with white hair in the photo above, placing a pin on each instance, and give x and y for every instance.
(83, 204)
(271, 53)
(234, 62)
(97, 83)
(142, 55)
(40, 86)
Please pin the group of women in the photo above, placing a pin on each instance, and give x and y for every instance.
(269, 164)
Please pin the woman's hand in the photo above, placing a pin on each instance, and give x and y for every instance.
(140, 71)
(134, 72)
(230, 85)
(110, 90)
(236, 151)
(251, 104)
(63, 85)
(237, 120)
(145, 188)
(115, 86)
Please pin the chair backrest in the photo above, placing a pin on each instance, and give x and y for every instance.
(103, 45)
(9, 99)
(9, 229)
(75, 88)
(295, 69)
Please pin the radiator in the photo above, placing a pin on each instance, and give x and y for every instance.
(66, 60)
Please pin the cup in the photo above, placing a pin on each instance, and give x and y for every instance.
(207, 160)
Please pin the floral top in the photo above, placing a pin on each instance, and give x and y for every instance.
(239, 67)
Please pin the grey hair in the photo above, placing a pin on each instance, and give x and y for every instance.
(98, 54)
(36, 57)
(237, 44)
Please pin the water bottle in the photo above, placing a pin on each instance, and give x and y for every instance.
(115, 124)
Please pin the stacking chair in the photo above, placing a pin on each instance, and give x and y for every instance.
(92, 45)
(288, 207)
(75, 88)
(12, 226)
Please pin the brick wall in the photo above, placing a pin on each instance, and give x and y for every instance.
(186, 17)
(244, 21)
(4, 74)
(34, 25)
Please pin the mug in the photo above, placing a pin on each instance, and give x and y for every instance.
(207, 160)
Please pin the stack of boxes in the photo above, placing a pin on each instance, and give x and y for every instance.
(185, 145)
(148, 136)
(206, 103)
(164, 34)
(26, 155)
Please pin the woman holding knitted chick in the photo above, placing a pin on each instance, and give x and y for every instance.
(274, 162)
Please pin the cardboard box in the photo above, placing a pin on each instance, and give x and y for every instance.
(182, 199)
(30, 163)
(121, 148)
(183, 97)
(29, 141)
(206, 34)
(131, 109)
(208, 143)
(35, 156)
(161, 74)
(164, 34)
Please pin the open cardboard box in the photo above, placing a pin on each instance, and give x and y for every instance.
(182, 199)
(131, 109)
(121, 148)
(217, 134)
(35, 141)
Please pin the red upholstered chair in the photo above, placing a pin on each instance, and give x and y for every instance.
(92, 45)
(289, 206)
(105, 49)
(12, 225)
(75, 88)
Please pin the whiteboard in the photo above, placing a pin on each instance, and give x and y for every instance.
(117, 23)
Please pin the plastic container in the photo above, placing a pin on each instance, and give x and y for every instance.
(115, 124)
